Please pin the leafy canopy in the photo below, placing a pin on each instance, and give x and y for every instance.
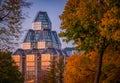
(91, 24)
(82, 68)
(11, 18)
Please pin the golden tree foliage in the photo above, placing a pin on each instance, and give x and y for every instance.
(79, 69)
(82, 68)
(111, 65)
(109, 26)
(93, 25)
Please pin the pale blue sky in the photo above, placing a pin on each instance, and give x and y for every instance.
(54, 8)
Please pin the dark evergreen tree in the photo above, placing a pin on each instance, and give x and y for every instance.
(54, 74)
(60, 69)
(9, 72)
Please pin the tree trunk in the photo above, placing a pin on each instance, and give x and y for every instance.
(98, 73)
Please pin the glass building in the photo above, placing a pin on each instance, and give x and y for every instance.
(40, 45)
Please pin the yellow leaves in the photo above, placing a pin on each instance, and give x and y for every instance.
(116, 35)
(111, 56)
(79, 43)
(77, 69)
(111, 65)
(92, 54)
(97, 24)
(108, 19)
(110, 24)
(82, 68)
(113, 76)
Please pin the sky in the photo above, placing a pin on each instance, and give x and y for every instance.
(54, 8)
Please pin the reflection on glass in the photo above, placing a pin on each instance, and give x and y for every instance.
(16, 58)
(30, 67)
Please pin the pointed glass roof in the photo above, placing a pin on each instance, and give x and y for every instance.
(42, 35)
(44, 19)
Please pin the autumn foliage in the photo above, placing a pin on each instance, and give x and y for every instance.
(82, 68)
(93, 25)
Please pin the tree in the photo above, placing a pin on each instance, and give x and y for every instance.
(9, 72)
(92, 25)
(50, 76)
(11, 17)
(60, 69)
(111, 65)
(82, 68)
(55, 72)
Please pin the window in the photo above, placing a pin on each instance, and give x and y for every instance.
(30, 63)
(16, 58)
(30, 67)
(33, 45)
(30, 75)
(30, 58)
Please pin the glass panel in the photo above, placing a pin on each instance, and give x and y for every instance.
(37, 36)
(47, 36)
(30, 63)
(30, 68)
(30, 75)
(30, 58)
(43, 17)
(16, 58)
(45, 64)
(18, 63)
(33, 45)
(49, 44)
(45, 57)
(32, 37)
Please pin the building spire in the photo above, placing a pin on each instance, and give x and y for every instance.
(42, 21)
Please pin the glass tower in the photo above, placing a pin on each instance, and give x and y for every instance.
(41, 36)
(38, 48)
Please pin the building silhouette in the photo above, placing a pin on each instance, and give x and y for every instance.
(39, 47)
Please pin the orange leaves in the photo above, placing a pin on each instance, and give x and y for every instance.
(110, 24)
(111, 56)
(82, 68)
(92, 54)
(116, 35)
(111, 65)
(79, 43)
(78, 68)
(92, 26)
